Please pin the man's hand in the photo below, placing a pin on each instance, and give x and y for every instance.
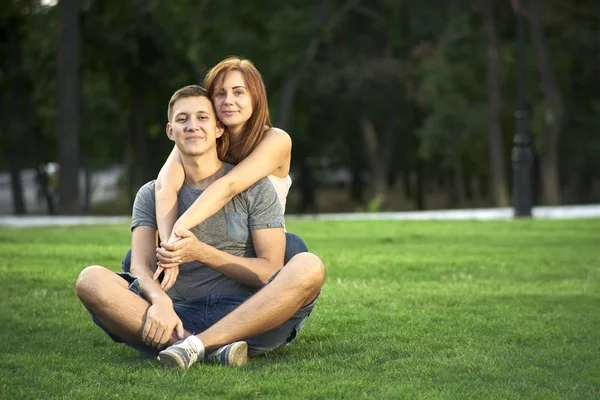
(174, 237)
(182, 251)
(161, 322)
(171, 255)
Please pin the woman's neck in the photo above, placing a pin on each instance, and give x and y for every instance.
(235, 133)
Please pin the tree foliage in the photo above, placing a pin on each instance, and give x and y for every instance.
(394, 92)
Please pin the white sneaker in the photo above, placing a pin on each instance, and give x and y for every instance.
(231, 355)
(179, 355)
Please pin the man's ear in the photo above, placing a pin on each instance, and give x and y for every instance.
(220, 129)
(169, 130)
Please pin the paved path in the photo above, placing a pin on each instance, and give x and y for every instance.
(562, 212)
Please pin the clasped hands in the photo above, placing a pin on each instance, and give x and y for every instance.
(179, 249)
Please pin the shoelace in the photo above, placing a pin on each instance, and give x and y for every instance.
(190, 352)
(216, 356)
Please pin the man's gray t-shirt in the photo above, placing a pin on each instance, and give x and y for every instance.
(228, 230)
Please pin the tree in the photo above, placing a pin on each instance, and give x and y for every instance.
(69, 106)
(451, 94)
(16, 121)
(497, 155)
(551, 111)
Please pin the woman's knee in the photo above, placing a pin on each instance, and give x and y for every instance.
(126, 263)
(293, 245)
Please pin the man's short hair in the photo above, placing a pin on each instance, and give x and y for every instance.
(187, 91)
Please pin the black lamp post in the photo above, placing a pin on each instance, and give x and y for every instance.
(522, 157)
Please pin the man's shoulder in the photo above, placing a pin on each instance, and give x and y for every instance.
(263, 185)
(147, 188)
(143, 213)
(145, 195)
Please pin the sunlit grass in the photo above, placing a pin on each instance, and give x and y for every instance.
(506, 309)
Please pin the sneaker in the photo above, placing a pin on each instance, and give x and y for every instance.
(232, 355)
(179, 355)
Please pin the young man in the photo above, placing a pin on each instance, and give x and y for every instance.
(215, 304)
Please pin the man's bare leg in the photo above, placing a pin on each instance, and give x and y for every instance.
(120, 311)
(296, 286)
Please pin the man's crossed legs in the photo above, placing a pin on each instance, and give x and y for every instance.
(267, 320)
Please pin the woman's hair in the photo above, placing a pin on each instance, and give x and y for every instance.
(198, 91)
(254, 128)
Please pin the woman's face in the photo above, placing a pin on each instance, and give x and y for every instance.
(233, 102)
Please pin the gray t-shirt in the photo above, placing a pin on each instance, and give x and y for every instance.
(228, 230)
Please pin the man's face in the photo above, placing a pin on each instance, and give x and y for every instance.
(194, 128)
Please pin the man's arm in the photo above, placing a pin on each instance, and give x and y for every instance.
(161, 320)
(269, 245)
(143, 263)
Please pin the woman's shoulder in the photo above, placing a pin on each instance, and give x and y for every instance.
(277, 133)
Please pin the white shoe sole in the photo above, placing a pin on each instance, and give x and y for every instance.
(238, 355)
(171, 360)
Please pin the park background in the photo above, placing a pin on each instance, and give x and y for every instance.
(391, 105)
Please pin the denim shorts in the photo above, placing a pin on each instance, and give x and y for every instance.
(199, 314)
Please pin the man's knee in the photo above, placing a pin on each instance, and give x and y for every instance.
(89, 283)
(308, 270)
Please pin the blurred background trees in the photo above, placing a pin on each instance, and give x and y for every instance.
(391, 104)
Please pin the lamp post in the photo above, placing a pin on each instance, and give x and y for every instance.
(522, 157)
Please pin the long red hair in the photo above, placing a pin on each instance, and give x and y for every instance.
(254, 128)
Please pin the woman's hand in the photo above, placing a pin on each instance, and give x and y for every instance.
(169, 278)
(171, 270)
(171, 255)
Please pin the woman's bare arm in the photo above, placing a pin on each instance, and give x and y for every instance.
(272, 151)
(169, 182)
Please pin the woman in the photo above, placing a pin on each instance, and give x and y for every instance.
(256, 148)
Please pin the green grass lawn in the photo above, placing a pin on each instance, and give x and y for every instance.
(452, 310)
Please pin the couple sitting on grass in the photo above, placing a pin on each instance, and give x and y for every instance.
(229, 282)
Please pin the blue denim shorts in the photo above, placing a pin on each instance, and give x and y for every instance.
(199, 314)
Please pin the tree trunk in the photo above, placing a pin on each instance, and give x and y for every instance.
(69, 97)
(87, 198)
(14, 166)
(457, 193)
(291, 86)
(497, 169)
(376, 161)
(357, 184)
(16, 121)
(44, 187)
(549, 139)
(598, 33)
(419, 186)
(308, 201)
(406, 183)
(130, 161)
